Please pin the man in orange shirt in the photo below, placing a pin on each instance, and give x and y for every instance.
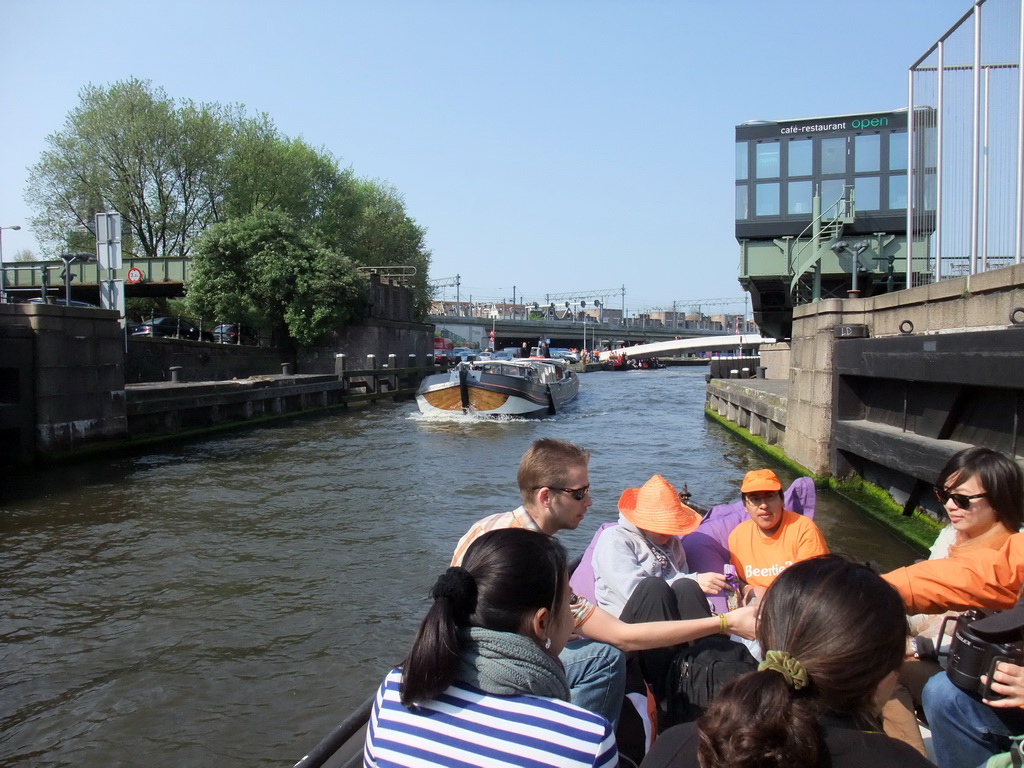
(773, 538)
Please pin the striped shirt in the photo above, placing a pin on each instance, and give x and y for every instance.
(467, 728)
(581, 607)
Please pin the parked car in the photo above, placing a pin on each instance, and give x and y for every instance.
(172, 327)
(562, 353)
(233, 333)
(503, 355)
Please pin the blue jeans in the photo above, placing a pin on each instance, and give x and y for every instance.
(597, 677)
(965, 731)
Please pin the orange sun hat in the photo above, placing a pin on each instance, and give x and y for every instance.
(657, 507)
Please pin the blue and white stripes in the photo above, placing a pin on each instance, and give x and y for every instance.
(464, 727)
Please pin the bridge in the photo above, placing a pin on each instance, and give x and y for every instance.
(589, 334)
(159, 277)
(726, 343)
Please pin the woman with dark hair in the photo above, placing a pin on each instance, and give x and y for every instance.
(982, 493)
(482, 685)
(833, 633)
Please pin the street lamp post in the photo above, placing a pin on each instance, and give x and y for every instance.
(3, 286)
(69, 259)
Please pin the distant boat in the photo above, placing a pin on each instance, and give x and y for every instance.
(531, 387)
(615, 363)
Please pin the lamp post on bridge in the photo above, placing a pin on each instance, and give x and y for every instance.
(69, 259)
(3, 286)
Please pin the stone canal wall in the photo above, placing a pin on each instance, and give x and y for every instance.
(71, 382)
(889, 387)
(61, 378)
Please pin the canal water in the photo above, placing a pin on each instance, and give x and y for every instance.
(229, 600)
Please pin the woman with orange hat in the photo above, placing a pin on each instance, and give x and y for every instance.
(640, 571)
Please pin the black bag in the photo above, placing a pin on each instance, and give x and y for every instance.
(699, 671)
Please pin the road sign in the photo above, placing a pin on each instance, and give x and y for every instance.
(135, 276)
(108, 240)
(112, 295)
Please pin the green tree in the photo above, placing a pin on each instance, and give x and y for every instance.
(371, 226)
(132, 149)
(267, 171)
(263, 269)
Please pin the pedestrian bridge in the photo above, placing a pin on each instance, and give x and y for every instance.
(723, 343)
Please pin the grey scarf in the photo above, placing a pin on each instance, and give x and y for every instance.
(505, 664)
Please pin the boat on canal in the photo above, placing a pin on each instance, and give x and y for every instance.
(528, 388)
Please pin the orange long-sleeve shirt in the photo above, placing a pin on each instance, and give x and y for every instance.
(983, 578)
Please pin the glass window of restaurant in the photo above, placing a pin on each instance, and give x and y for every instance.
(897, 152)
(741, 202)
(767, 199)
(832, 191)
(798, 198)
(833, 156)
(867, 156)
(866, 195)
(898, 191)
(742, 160)
(767, 156)
(801, 157)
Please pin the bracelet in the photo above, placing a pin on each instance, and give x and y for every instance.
(723, 624)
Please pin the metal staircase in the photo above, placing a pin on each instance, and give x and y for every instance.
(824, 230)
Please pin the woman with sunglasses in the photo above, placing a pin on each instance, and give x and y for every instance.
(833, 632)
(482, 685)
(982, 493)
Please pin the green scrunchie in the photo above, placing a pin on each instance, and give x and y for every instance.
(792, 671)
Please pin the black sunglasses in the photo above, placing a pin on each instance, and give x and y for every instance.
(962, 501)
(576, 493)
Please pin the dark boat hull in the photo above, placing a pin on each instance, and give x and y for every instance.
(531, 389)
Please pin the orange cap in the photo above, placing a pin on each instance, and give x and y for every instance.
(760, 480)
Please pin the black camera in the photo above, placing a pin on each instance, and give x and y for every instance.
(980, 640)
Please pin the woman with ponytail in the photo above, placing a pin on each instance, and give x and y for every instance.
(482, 685)
(834, 634)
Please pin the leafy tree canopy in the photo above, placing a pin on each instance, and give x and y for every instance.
(132, 149)
(262, 269)
(176, 169)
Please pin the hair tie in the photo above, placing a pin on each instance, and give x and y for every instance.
(792, 671)
(458, 586)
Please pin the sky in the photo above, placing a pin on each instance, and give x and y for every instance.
(547, 147)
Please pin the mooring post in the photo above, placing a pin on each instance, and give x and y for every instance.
(371, 364)
(175, 372)
(393, 367)
(339, 371)
(412, 376)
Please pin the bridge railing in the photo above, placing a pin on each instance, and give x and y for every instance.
(29, 274)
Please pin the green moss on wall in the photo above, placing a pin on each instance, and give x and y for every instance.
(918, 530)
